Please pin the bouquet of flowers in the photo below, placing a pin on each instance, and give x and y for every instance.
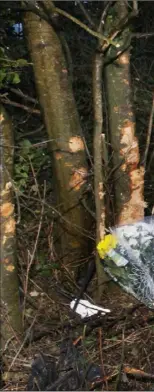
(127, 255)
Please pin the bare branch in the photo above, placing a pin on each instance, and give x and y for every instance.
(24, 96)
(142, 35)
(104, 13)
(85, 13)
(135, 6)
(149, 134)
(31, 258)
(7, 101)
(83, 26)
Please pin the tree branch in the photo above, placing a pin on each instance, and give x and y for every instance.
(85, 13)
(83, 26)
(149, 134)
(19, 105)
(24, 96)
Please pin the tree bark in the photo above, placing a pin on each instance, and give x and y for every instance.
(11, 312)
(128, 174)
(64, 131)
(98, 162)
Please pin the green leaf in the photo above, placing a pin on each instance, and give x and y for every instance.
(21, 62)
(26, 146)
(2, 75)
(2, 51)
(55, 266)
(114, 338)
(31, 156)
(25, 168)
(45, 273)
(17, 169)
(22, 182)
(24, 175)
(16, 78)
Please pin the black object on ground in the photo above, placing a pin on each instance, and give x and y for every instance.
(71, 372)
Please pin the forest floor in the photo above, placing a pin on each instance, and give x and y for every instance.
(118, 346)
(122, 346)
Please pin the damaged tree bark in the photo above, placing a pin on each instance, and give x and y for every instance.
(11, 326)
(64, 131)
(128, 174)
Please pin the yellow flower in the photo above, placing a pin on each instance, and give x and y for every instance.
(104, 246)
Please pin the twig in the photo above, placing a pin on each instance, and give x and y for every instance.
(21, 94)
(142, 35)
(23, 361)
(83, 26)
(85, 13)
(104, 13)
(23, 343)
(101, 357)
(121, 362)
(150, 161)
(7, 344)
(87, 151)
(135, 6)
(70, 17)
(60, 380)
(43, 292)
(33, 253)
(31, 133)
(34, 176)
(92, 213)
(138, 373)
(58, 214)
(149, 134)
(19, 105)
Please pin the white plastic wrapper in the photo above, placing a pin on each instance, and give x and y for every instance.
(86, 309)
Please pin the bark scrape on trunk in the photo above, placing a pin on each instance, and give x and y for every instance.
(78, 178)
(63, 128)
(11, 313)
(128, 174)
(76, 144)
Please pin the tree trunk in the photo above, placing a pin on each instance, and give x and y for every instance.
(98, 159)
(63, 127)
(11, 312)
(128, 174)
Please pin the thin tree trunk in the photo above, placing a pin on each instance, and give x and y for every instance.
(98, 160)
(11, 325)
(63, 127)
(128, 174)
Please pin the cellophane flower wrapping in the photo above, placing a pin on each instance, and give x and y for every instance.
(131, 262)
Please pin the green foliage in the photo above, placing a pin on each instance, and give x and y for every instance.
(28, 156)
(114, 338)
(44, 268)
(8, 72)
(89, 341)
